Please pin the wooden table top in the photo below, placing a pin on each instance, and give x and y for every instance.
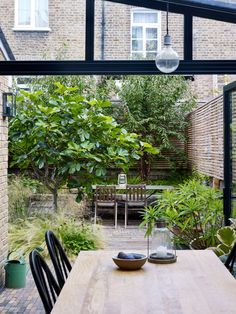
(148, 187)
(197, 283)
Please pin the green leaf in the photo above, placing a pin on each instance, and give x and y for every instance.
(226, 235)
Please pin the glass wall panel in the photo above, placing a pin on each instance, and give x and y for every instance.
(44, 29)
(233, 152)
(213, 40)
(125, 32)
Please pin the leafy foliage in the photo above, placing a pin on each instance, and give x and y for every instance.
(19, 190)
(61, 133)
(27, 234)
(227, 238)
(194, 212)
(156, 107)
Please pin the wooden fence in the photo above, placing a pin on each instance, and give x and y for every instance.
(205, 138)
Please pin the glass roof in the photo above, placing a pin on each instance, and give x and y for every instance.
(227, 4)
(220, 3)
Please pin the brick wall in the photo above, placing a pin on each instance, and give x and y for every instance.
(3, 182)
(205, 138)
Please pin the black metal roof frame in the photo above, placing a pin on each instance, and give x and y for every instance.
(203, 8)
(6, 46)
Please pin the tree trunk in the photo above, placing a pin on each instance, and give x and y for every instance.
(145, 167)
(55, 200)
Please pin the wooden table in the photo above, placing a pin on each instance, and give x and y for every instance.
(155, 188)
(197, 283)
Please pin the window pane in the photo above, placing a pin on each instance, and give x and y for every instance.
(137, 55)
(151, 55)
(137, 45)
(41, 13)
(137, 32)
(145, 17)
(24, 12)
(151, 45)
(151, 33)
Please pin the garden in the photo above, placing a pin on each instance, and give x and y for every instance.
(71, 133)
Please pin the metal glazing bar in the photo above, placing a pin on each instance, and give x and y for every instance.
(227, 159)
(117, 67)
(89, 34)
(188, 37)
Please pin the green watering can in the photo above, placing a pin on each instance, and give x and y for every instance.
(15, 272)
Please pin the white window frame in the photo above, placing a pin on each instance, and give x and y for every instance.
(144, 26)
(31, 26)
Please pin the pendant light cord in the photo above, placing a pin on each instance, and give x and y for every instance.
(167, 18)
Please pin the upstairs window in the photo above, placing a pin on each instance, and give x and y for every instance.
(145, 33)
(31, 15)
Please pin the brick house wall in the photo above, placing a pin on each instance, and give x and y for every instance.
(3, 181)
(212, 39)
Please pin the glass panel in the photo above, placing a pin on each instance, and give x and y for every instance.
(213, 40)
(41, 13)
(137, 45)
(151, 33)
(220, 3)
(114, 31)
(145, 17)
(233, 153)
(137, 55)
(66, 41)
(137, 32)
(24, 12)
(151, 55)
(151, 45)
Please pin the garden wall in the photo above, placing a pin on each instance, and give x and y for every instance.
(205, 138)
(3, 182)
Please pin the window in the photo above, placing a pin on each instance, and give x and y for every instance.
(31, 15)
(145, 33)
(219, 81)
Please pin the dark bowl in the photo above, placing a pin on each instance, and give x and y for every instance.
(130, 264)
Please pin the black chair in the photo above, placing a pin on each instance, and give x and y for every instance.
(59, 259)
(45, 282)
(230, 261)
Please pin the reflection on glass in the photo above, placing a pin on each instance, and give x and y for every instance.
(41, 13)
(137, 45)
(151, 45)
(145, 17)
(24, 8)
(151, 33)
(137, 32)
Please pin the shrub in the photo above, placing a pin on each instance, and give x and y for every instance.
(194, 212)
(18, 198)
(26, 235)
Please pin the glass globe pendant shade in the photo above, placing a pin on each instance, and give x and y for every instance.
(167, 60)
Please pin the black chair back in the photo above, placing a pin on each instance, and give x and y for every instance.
(229, 263)
(45, 282)
(59, 259)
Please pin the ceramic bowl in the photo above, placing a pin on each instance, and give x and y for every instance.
(130, 264)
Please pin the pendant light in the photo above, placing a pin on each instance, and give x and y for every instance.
(167, 60)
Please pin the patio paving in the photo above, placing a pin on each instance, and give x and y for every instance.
(26, 300)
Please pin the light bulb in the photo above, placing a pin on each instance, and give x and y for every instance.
(167, 60)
